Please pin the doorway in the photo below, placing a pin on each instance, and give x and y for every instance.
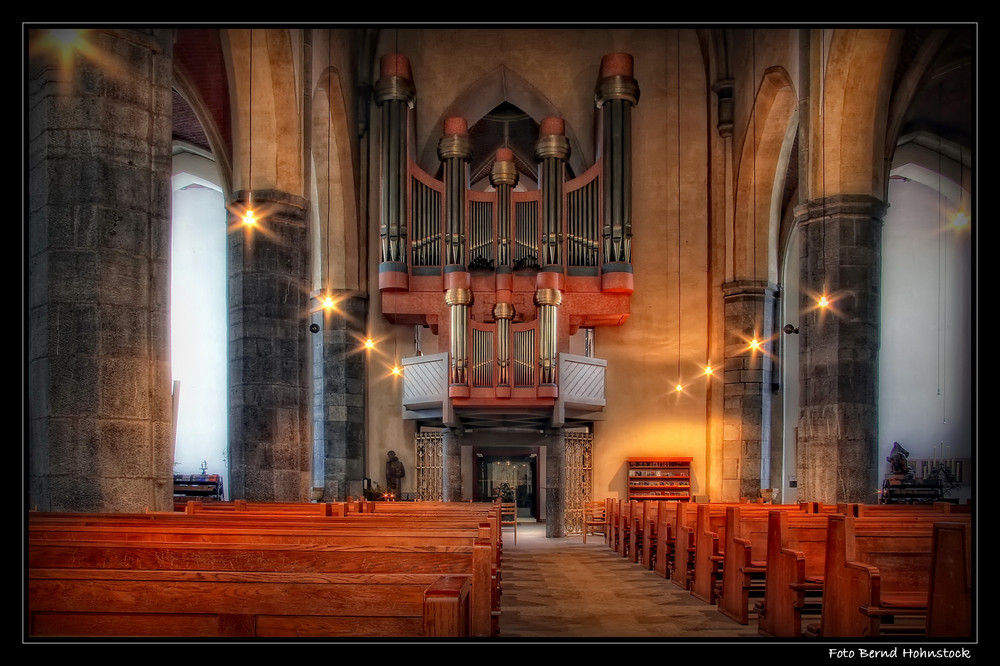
(512, 473)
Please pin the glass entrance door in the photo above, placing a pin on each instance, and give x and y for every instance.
(514, 477)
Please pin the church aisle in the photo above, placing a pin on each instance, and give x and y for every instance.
(562, 589)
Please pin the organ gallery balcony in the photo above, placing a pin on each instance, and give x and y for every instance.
(496, 399)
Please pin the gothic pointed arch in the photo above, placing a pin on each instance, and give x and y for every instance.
(503, 84)
(856, 93)
(763, 163)
(338, 257)
(266, 85)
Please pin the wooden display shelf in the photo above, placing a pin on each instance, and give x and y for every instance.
(659, 479)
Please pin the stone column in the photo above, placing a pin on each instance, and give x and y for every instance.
(746, 439)
(339, 398)
(451, 454)
(98, 244)
(838, 359)
(555, 485)
(269, 415)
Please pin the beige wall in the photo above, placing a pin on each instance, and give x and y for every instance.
(645, 353)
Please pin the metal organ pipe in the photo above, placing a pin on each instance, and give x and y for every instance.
(617, 92)
(395, 93)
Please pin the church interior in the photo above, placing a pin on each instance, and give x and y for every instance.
(330, 264)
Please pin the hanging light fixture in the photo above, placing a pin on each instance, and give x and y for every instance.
(328, 302)
(754, 342)
(823, 301)
(679, 387)
(249, 218)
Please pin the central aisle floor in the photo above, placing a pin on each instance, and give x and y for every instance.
(565, 589)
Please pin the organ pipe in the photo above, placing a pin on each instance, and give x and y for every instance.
(395, 93)
(552, 150)
(617, 92)
(458, 301)
(504, 178)
(455, 151)
(547, 301)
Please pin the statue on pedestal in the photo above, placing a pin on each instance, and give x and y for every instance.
(394, 473)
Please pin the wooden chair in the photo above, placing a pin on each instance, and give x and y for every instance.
(508, 517)
(594, 519)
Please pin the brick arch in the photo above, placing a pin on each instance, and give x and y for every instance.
(502, 84)
(763, 162)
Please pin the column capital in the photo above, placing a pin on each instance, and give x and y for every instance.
(839, 205)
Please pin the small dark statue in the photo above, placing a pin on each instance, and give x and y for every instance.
(394, 473)
(897, 458)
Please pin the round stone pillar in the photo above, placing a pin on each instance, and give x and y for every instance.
(841, 254)
(98, 258)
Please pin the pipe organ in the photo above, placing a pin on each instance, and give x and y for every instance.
(512, 274)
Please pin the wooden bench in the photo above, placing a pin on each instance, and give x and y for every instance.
(227, 602)
(641, 512)
(361, 536)
(949, 604)
(665, 537)
(796, 560)
(877, 575)
(650, 523)
(796, 563)
(682, 568)
(744, 557)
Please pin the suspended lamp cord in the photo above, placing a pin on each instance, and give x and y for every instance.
(753, 147)
(822, 139)
(679, 219)
(250, 130)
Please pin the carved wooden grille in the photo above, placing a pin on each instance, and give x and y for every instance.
(430, 465)
(579, 477)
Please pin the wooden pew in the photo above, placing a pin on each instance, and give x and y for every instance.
(359, 533)
(682, 568)
(796, 564)
(710, 521)
(160, 589)
(796, 559)
(949, 604)
(665, 537)
(745, 556)
(877, 575)
(609, 517)
(638, 530)
(650, 521)
(614, 526)
(266, 508)
(878, 510)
